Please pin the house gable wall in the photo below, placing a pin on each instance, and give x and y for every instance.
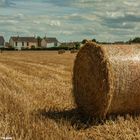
(43, 43)
(11, 42)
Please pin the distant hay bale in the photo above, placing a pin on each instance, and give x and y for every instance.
(106, 79)
(73, 51)
(61, 51)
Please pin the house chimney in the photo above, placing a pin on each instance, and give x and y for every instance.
(34, 35)
(17, 35)
(46, 35)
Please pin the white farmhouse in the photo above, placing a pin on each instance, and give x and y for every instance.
(49, 42)
(23, 42)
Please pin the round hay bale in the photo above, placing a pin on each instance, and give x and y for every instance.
(61, 51)
(73, 51)
(106, 79)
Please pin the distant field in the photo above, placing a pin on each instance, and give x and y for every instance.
(36, 101)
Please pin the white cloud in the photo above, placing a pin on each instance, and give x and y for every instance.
(115, 14)
(55, 23)
(36, 22)
(131, 3)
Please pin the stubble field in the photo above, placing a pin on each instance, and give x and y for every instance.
(36, 101)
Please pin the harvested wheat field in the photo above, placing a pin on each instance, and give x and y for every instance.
(36, 102)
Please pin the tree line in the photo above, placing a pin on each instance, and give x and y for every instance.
(134, 40)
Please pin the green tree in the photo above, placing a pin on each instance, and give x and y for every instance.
(94, 40)
(84, 41)
(77, 45)
(32, 47)
(136, 40)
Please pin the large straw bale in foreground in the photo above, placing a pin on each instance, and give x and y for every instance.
(107, 79)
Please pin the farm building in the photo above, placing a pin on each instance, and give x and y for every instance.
(23, 42)
(1, 41)
(49, 42)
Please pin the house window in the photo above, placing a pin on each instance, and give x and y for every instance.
(27, 43)
(22, 43)
(16, 43)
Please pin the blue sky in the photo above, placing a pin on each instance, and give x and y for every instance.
(68, 20)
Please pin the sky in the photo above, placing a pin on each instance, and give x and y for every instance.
(71, 20)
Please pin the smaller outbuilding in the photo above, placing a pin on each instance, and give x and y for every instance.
(49, 42)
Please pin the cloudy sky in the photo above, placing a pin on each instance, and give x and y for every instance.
(105, 20)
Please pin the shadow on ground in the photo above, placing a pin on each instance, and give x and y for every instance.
(72, 116)
(77, 120)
